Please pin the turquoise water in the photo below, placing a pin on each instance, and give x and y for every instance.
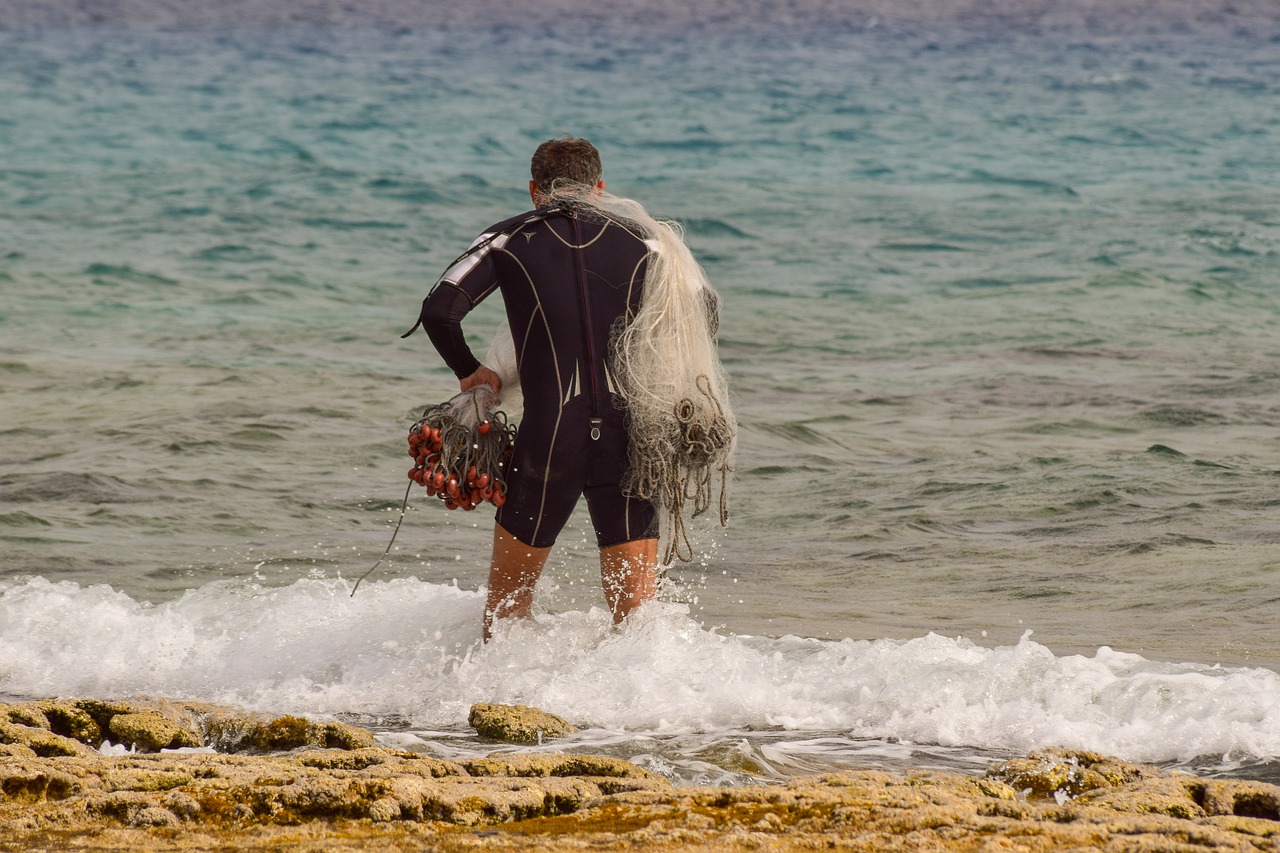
(998, 311)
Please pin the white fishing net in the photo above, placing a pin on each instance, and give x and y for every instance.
(501, 359)
(667, 369)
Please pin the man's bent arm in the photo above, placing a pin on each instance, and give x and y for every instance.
(442, 313)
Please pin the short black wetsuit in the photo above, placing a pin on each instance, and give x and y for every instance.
(566, 278)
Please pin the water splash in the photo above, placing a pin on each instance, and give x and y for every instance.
(409, 651)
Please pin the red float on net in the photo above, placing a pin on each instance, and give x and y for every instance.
(461, 449)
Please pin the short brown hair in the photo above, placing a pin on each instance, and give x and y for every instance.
(565, 161)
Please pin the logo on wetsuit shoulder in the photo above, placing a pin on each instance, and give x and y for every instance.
(528, 235)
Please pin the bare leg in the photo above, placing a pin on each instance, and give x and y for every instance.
(513, 574)
(629, 575)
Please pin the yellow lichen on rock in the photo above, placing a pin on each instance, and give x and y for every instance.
(231, 790)
(71, 720)
(516, 723)
(233, 730)
(40, 741)
(1058, 773)
(79, 726)
(555, 765)
(150, 732)
(388, 799)
(282, 733)
(385, 799)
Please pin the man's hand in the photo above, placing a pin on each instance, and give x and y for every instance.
(482, 376)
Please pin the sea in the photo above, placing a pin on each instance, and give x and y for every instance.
(999, 312)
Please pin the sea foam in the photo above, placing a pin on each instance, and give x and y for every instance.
(410, 651)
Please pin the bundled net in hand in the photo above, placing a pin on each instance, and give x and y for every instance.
(461, 449)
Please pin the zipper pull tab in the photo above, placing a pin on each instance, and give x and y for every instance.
(595, 428)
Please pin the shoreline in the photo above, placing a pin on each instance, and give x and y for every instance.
(291, 784)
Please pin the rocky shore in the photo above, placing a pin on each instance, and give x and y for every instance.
(290, 784)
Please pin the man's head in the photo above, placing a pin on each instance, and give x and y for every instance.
(561, 163)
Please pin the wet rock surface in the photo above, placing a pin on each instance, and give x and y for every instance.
(517, 724)
(79, 726)
(318, 798)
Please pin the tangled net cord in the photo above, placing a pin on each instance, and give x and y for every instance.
(461, 449)
(674, 466)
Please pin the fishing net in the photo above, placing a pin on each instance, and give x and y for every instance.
(461, 449)
(680, 424)
(501, 359)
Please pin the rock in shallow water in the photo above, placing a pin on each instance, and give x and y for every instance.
(517, 723)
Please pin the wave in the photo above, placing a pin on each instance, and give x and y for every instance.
(409, 650)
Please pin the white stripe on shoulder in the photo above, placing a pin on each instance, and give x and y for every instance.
(456, 273)
(477, 241)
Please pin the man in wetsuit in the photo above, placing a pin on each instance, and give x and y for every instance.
(567, 274)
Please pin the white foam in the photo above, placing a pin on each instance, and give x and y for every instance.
(411, 649)
(115, 749)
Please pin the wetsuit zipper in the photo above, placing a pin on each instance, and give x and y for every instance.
(585, 305)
